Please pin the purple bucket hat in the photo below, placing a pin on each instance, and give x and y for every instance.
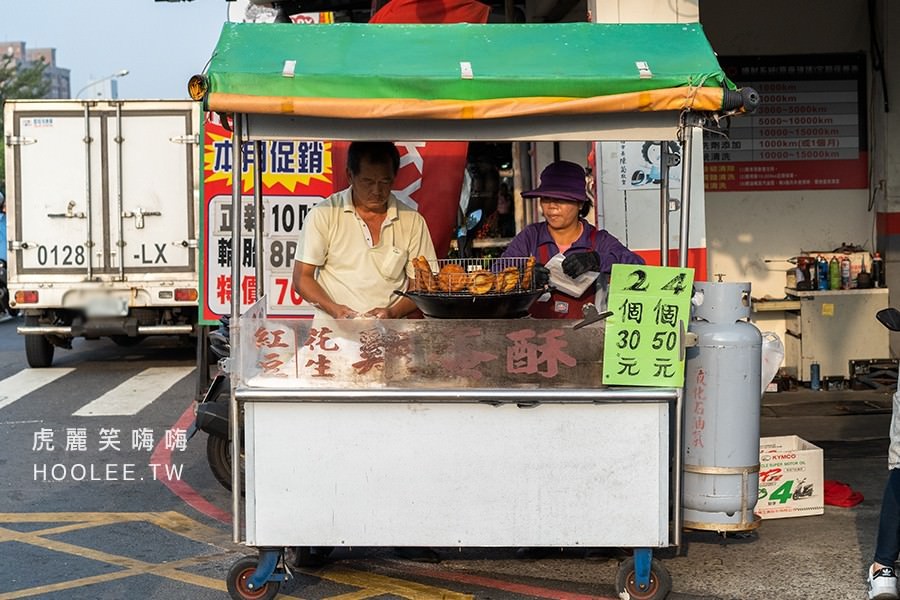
(561, 179)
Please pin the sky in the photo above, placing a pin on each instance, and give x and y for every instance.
(160, 43)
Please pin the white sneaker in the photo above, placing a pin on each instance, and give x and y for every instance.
(882, 584)
(4, 317)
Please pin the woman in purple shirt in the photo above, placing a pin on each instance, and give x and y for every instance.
(564, 203)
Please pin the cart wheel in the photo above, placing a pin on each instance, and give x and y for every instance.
(237, 582)
(660, 581)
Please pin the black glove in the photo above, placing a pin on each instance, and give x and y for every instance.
(541, 276)
(581, 262)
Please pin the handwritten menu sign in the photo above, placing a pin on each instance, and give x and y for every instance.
(651, 306)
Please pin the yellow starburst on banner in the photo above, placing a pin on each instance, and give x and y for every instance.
(217, 167)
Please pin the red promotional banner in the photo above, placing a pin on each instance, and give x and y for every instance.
(296, 174)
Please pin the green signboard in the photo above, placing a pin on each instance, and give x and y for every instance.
(643, 340)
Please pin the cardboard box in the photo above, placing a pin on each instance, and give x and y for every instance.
(791, 478)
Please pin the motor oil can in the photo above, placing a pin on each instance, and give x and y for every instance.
(878, 271)
(845, 273)
(834, 274)
(822, 268)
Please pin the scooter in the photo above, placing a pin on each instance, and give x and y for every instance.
(213, 416)
(802, 490)
(4, 292)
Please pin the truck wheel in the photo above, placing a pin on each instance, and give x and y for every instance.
(38, 350)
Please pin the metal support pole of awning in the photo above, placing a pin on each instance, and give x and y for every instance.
(237, 168)
(258, 162)
(691, 122)
(664, 204)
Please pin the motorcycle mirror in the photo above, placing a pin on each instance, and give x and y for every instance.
(889, 317)
(473, 219)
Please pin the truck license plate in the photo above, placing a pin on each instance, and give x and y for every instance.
(106, 306)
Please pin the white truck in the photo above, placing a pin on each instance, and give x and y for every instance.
(103, 210)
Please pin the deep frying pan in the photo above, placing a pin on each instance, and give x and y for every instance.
(441, 305)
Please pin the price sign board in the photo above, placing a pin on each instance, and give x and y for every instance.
(296, 175)
(809, 132)
(651, 308)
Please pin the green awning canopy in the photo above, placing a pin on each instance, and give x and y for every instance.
(462, 71)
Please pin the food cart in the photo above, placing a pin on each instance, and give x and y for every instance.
(454, 432)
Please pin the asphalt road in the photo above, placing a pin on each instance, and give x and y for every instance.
(100, 498)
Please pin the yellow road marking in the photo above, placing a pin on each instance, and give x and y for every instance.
(357, 595)
(372, 584)
(136, 567)
(169, 520)
(67, 585)
(387, 585)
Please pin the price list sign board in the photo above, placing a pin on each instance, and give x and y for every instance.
(651, 309)
(809, 131)
(296, 175)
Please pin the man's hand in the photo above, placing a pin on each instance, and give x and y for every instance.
(341, 311)
(541, 276)
(378, 313)
(581, 262)
(397, 310)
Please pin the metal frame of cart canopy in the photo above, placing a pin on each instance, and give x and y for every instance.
(575, 81)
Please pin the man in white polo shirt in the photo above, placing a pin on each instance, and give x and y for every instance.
(356, 246)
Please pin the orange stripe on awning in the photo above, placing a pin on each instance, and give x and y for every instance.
(700, 99)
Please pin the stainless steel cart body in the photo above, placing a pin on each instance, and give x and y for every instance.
(469, 452)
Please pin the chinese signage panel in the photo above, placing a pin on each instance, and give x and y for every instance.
(297, 174)
(809, 131)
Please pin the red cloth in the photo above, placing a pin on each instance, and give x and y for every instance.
(432, 11)
(439, 166)
(838, 493)
(433, 177)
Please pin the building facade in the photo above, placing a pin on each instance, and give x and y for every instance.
(56, 76)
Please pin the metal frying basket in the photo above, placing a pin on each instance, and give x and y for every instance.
(457, 288)
(455, 277)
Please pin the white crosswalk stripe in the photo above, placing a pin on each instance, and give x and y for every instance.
(134, 394)
(26, 381)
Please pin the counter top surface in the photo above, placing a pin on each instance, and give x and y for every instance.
(815, 293)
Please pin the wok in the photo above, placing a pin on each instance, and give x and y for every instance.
(440, 305)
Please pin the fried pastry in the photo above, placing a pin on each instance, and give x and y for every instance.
(452, 278)
(480, 282)
(528, 273)
(425, 280)
(506, 280)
